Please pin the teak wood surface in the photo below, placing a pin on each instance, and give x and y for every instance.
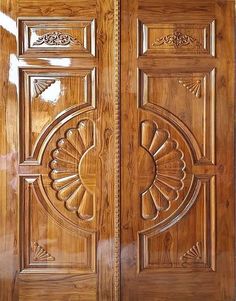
(117, 150)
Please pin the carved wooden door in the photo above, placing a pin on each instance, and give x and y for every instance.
(177, 209)
(58, 173)
(116, 154)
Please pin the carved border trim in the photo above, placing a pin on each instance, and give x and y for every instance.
(117, 150)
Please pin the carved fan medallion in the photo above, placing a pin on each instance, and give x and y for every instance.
(194, 253)
(65, 175)
(40, 85)
(40, 254)
(193, 86)
(169, 170)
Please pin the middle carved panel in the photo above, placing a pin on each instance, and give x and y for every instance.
(47, 96)
(177, 91)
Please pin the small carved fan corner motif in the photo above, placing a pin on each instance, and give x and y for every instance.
(40, 85)
(193, 86)
(193, 254)
(40, 254)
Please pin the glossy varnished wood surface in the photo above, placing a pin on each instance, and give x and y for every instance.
(177, 204)
(72, 119)
(57, 151)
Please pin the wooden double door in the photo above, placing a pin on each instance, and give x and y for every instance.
(117, 150)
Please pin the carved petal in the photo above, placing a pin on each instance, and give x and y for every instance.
(149, 210)
(86, 208)
(67, 191)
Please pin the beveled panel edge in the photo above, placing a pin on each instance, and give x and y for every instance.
(142, 99)
(142, 40)
(63, 117)
(142, 236)
(24, 238)
(23, 50)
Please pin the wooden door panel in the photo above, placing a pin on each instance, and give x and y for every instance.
(177, 90)
(52, 255)
(173, 98)
(47, 97)
(59, 152)
(177, 38)
(68, 37)
(81, 167)
(59, 72)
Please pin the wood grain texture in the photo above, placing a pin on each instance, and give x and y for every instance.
(177, 39)
(116, 153)
(58, 227)
(47, 97)
(66, 37)
(172, 250)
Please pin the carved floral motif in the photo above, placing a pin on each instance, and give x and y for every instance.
(177, 40)
(56, 38)
(65, 169)
(170, 170)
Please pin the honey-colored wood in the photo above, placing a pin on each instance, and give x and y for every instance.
(117, 150)
(177, 103)
(57, 150)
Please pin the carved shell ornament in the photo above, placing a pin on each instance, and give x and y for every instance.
(194, 253)
(40, 254)
(193, 86)
(56, 38)
(40, 85)
(169, 170)
(177, 40)
(65, 169)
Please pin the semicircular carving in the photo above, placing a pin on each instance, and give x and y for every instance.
(65, 171)
(170, 170)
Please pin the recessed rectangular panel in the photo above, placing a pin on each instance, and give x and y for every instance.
(188, 245)
(40, 254)
(180, 90)
(45, 37)
(45, 96)
(177, 39)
